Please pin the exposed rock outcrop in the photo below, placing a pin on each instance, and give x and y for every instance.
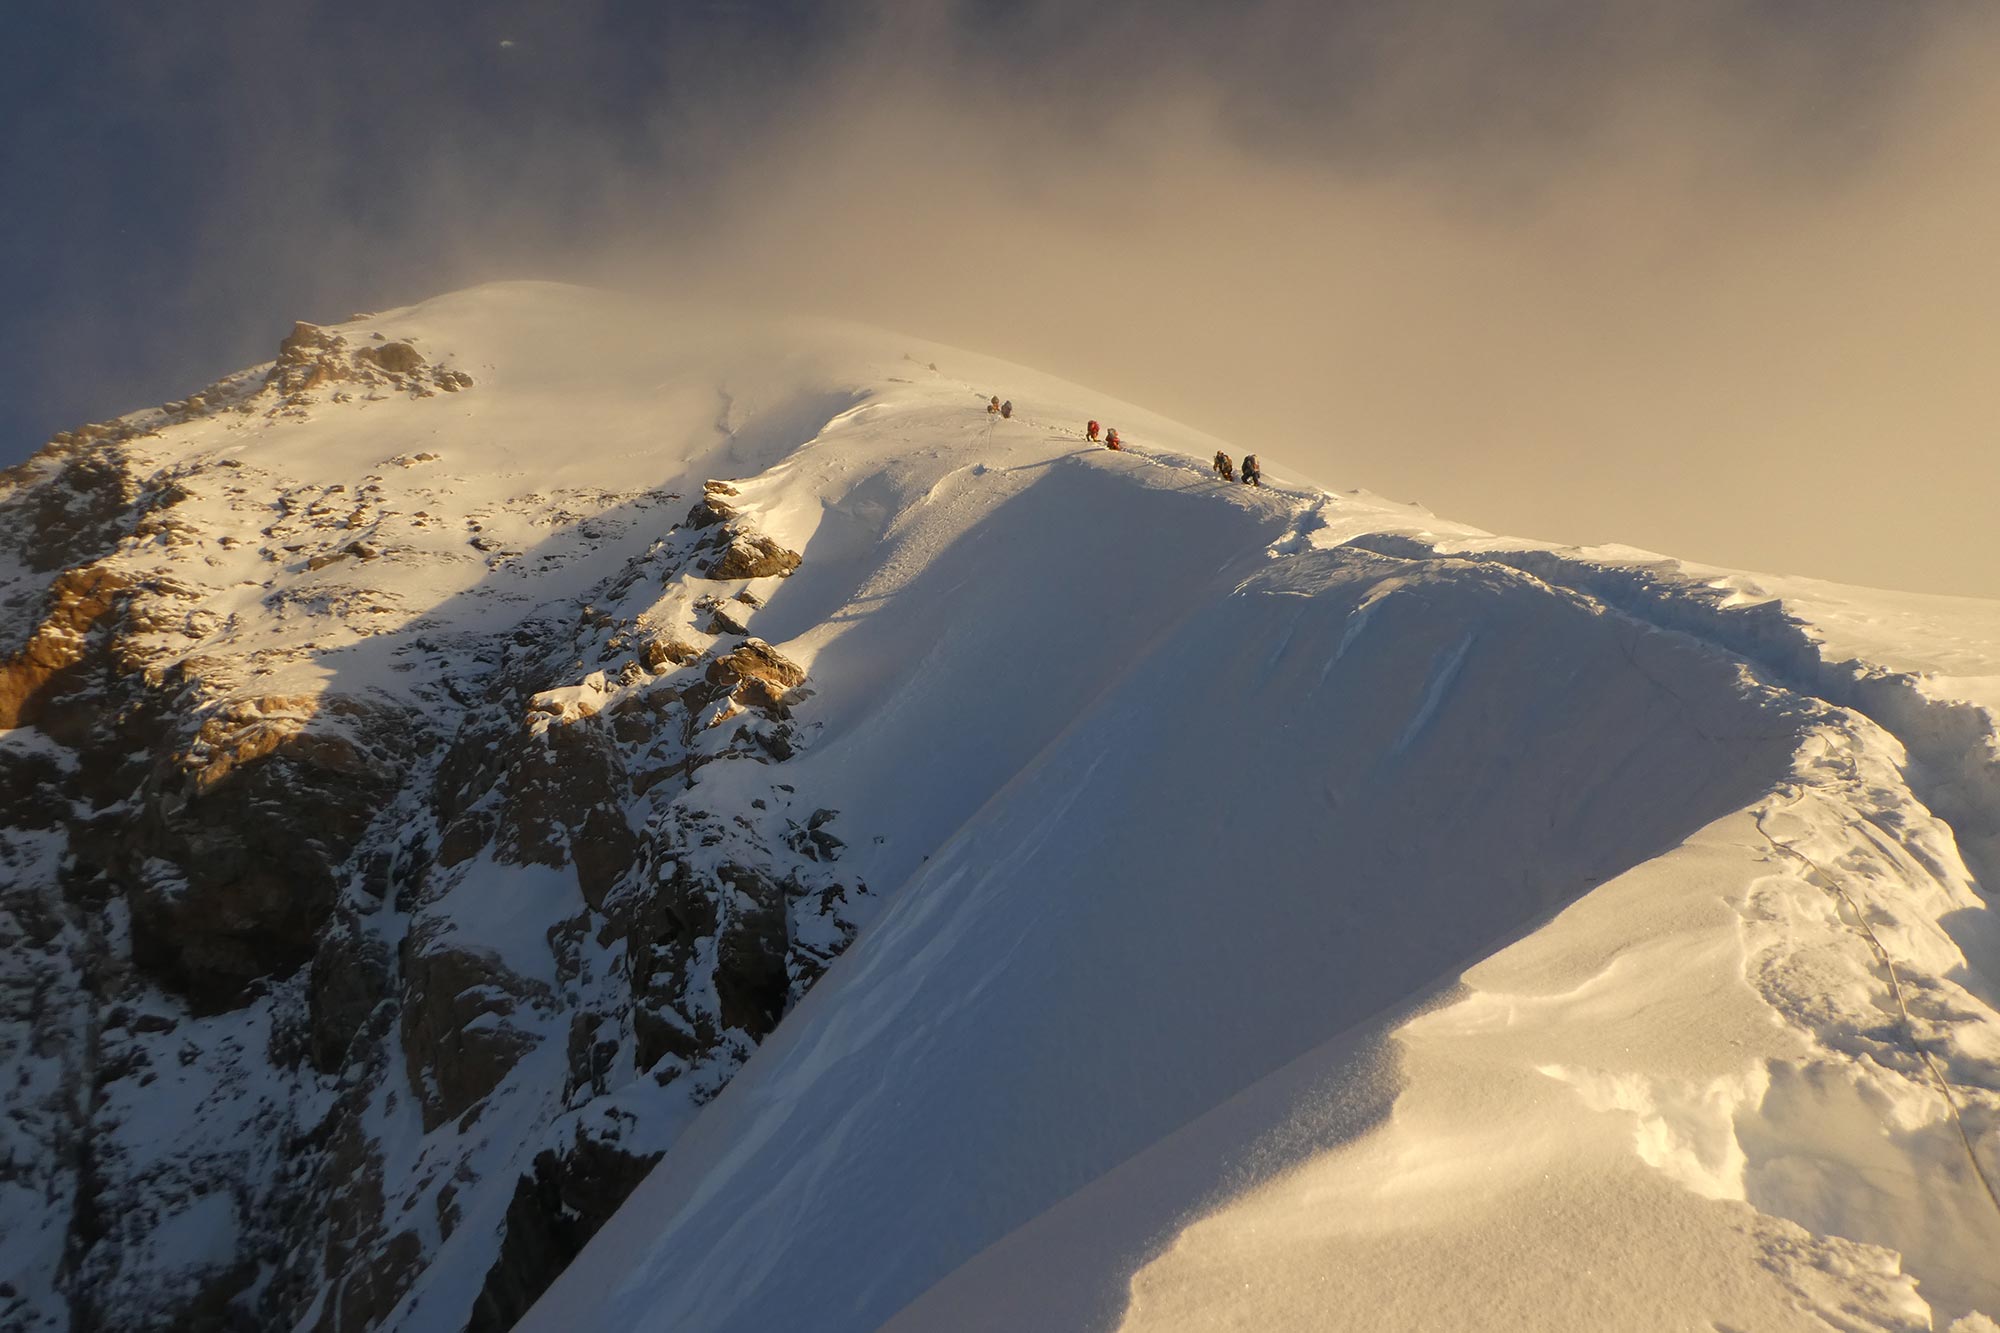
(460, 1034)
(54, 658)
(710, 511)
(311, 358)
(664, 652)
(555, 1211)
(80, 514)
(232, 865)
(315, 958)
(398, 358)
(351, 978)
(564, 806)
(751, 556)
(757, 675)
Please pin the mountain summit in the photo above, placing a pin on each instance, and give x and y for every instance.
(538, 809)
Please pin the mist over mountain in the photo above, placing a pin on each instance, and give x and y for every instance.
(1711, 278)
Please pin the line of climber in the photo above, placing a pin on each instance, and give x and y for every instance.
(1005, 411)
(1225, 467)
(1253, 471)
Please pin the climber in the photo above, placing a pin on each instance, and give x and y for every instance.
(1253, 472)
(1090, 432)
(1223, 467)
(993, 407)
(1007, 408)
(1111, 439)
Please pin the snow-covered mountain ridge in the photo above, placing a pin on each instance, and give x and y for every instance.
(444, 766)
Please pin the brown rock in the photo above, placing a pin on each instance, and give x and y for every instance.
(308, 358)
(554, 1212)
(350, 976)
(751, 556)
(79, 514)
(757, 661)
(462, 839)
(751, 983)
(564, 805)
(255, 816)
(76, 601)
(456, 1034)
(31, 788)
(709, 512)
(640, 715)
(728, 618)
(767, 698)
(398, 358)
(663, 652)
(304, 342)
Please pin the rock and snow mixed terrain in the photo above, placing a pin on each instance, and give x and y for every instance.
(520, 739)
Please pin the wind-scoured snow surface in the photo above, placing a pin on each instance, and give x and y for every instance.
(1285, 909)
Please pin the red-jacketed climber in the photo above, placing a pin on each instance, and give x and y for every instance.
(1111, 439)
(1090, 432)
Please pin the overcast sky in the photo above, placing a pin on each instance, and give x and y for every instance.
(1715, 278)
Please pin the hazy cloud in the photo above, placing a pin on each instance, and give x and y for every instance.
(1711, 278)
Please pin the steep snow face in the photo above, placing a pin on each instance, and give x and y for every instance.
(1379, 770)
(1001, 882)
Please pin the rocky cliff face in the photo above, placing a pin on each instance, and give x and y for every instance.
(309, 987)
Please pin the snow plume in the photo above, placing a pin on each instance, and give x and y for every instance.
(1579, 269)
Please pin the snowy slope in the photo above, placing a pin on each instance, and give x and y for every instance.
(1313, 803)
(1246, 908)
(1088, 969)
